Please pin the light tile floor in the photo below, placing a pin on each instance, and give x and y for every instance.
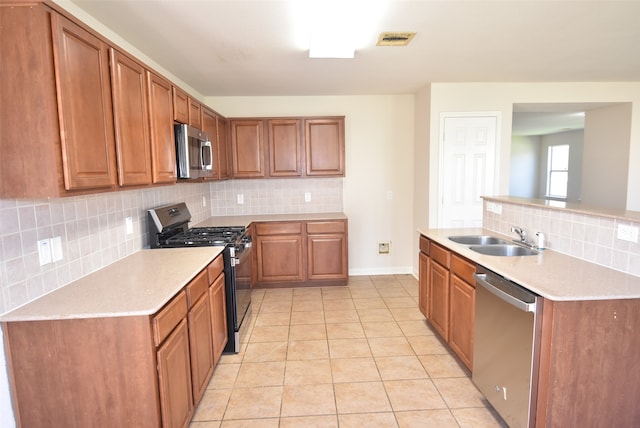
(355, 356)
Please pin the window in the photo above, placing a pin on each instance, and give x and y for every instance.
(558, 171)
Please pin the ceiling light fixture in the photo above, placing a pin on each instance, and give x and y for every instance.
(335, 29)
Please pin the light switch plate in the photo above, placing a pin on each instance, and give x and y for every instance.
(128, 224)
(44, 251)
(240, 199)
(56, 249)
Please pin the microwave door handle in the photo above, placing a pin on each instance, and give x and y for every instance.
(205, 155)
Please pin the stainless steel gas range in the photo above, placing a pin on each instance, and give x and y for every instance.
(168, 227)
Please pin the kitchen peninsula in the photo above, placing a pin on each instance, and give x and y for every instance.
(586, 332)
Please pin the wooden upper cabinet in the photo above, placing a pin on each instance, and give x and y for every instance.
(195, 113)
(163, 152)
(133, 146)
(247, 146)
(85, 109)
(180, 105)
(210, 126)
(223, 148)
(324, 144)
(285, 147)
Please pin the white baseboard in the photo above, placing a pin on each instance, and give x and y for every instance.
(401, 270)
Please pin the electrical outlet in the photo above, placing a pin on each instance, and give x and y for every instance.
(240, 199)
(627, 233)
(389, 195)
(307, 196)
(204, 201)
(384, 248)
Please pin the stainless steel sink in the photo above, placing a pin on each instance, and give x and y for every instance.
(477, 240)
(503, 250)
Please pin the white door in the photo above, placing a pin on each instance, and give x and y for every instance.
(467, 167)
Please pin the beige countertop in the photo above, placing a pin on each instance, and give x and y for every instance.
(246, 220)
(550, 274)
(140, 284)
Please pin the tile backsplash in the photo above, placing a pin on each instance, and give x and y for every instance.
(585, 236)
(277, 196)
(93, 233)
(92, 230)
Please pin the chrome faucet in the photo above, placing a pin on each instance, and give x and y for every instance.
(520, 231)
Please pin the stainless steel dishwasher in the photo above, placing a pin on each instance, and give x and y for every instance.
(504, 345)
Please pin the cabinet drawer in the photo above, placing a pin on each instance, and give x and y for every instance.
(439, 254)
(326, 227)
(197, 287)
(424, 245)
(285, 228)
(215, 268)
(169, 317)
(463, 268)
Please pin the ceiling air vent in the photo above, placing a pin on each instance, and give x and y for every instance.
(395, 38)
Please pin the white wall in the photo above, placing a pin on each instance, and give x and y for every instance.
(606, 144)
(379, 139)
(525, 162)
(475, 97)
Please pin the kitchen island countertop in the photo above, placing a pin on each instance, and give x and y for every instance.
(550, 274)
(140, 284)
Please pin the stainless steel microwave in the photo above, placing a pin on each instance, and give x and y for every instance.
(194, 154)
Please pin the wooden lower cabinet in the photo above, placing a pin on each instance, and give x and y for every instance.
(446, 296)
(327, 250)
(83, 372)
(201, 346)
(174, 378)
(279, 251)
(129, 371)
(423, 284)
(218, 305)
(461, 319)
(302, 253)
(439, 298)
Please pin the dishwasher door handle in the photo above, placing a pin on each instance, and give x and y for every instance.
(483, 280)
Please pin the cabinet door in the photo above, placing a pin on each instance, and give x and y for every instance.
(439, 298)
(174, 379)
(462, 300)
(200, 346)
(218, 299)
(423, 284)
(285, 148)
(324, 144)
(180, 105)
(163, 151)
(247, 148)
(327, 256)
(210, 126)
(131, 120)
(85, 109)
(195, 113)
(279, 258)
(223, 148)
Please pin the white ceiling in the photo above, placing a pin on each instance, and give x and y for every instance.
(248, 48)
